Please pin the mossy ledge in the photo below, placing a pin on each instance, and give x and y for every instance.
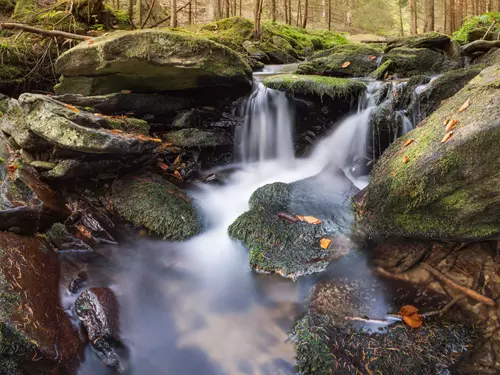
(316, 85)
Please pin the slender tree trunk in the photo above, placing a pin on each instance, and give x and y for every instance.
(448, 14)
(429, 16)
(139, 12)
(401, 25)
(286, 11)
(190, 13)
(273, 11)
(173, 13)
(290, 12)
(131, 9)
(257, 17)
(465, 8)
(413, 13)
(226, 8)
(306, 9)
(299, 13)
(241, 6)
(459, 14)
(329, 14)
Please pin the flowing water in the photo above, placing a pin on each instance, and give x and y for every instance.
(195, 307)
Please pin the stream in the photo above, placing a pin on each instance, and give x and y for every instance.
(196, 307)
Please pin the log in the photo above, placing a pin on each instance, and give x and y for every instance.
(35, 30)
(480, 46)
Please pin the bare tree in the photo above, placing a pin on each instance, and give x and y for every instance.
(257, 17)
(131, 9)
(414, 19)
(306, 9)
(139, 12)
(329, 14)
(173, 13)
(429, 16)
(273, 10)
(401, 25)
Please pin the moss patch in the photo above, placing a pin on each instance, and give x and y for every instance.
(316, 85)
(196, 138)
(151, 201)
(483, 21)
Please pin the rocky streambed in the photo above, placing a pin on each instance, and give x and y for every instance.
(127, 228)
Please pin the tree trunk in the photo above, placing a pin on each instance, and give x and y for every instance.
(190, 13)
(429, 16)
(241, 6)
(299, 17)
(448, 16)
(173, 13)
(289, 12)
(226, 8)
(459, 15)
(413, 14)
(306, 8)
(329, 14)
(286, 12)
(131, 9)
(401, 25)
(257, 16)
(139, 12)
(273, 11)
(465, 6)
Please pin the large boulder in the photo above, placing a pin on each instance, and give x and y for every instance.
(149, 61)
(350, 60)
(151, 201)
(429, 187)
(35, 334)
(435, 41)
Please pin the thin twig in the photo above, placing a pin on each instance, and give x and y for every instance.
(441, 311)
(469, 292)
(488, 31)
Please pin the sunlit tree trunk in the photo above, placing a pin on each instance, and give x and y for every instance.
(131, 9)
(226, 8)
(139, 12)
(459, 14)
(273, 10)
(286, 11)
(401, 25)
(257, 17)
(190, 13)
(329, 14)
(413, 13)
(299, 13)
(241, 7)
(306, 8)
(429, 16)
(173, 13)
(290, 12)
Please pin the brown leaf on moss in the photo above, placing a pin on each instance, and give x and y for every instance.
(446, 137)
(325, 243)
(178, 175)
(163, 166)
(405, 159)
(116, 131)
(346, 64)
(287, 217)
(72, 108)
(414, 320)
(372, 57)
(465, 106)
(177, 159)
(409, 142)
(451, 124)
(309, 219)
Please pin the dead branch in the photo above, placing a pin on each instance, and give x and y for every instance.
(149, 14)
(35, 30)
(480, 46)
(441, 311)
(489, 29)
(168, 18)
(468, 292)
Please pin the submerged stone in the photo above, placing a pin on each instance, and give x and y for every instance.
(151, 201)
(446, 189)
(149, 61)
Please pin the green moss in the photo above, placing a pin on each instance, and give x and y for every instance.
(408, 62)
(316, 85)
(383, 70)
(196, 138)
(475, 22)
(149, 200)
(129, 125)
(275, 197)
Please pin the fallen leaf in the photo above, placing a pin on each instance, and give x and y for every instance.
(12, 167)
(178, 175)
(414, 320)
(325, 243)
(346, 64)
(405, 159)
(177, 159)
(407, 310)
(409, 142)
(84, 231)
(312, 220)
(450, 125)
(389, 77)
(446, 121)
(117, 131)
(287, 217)
(72, 108)
(91, 41)
(163, 166)
(464, 106)
(446, 137)
(301, 218)
(126, 91)
(372, 57)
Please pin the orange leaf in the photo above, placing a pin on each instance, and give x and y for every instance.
(413, 320)
(465, 106)
(177, 159)
(117, 131)
(301, 218)
(178, 175)
(84, 231)
(325, 243)
(389, 77)
(346, 64)
(163, 166)
(372, 57)
(450, 125)
(91, 41)
(405, 159)
(446, 121)
(407, 310)
(156, 140)
(446, 137)
(12, 167)
(409, 142)
(312, 220)
(126, 91)
(72, 108)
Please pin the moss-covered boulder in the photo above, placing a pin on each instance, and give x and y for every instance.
(196, 138)
(492, 57)
(282, 242)
(316, 86)
(435, 41)
(438, 188)
(149, 61)
(408, 62)
(36, 336)
(342, 61)
(151, 201)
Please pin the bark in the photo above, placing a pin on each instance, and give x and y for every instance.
(226, 13)
(34, 30)
(150, 11)
(241, 6)
(139, 12)
(448, 17)
(429, 16)
(286, 12)
(459, 15)
(190, 14)
(131, 9)
(173, 13)
(273, 10)
(401, 25)
(413, 13)
(306, 11)
(257, 17)
(299, 13)
(289, 12)
(329, 14)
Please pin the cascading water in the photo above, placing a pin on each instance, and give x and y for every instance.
(211, 315)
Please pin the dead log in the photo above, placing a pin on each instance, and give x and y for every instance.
(35, 30)
(480, 46)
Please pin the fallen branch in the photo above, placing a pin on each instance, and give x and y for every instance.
(480, 46)
(489, 29)
(148, 15)
(167, 18)
(468, 292)
(441, 311)
(34, 30)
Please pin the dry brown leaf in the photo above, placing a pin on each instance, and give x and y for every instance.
(312, 220)
(407, 310)
(446, 137)
(178, 175)
(117, 131)
(72, 108)
(372, 57)
(177, 159)
(409, 142)
(405, 159)
(301, 218)
(91, 41)
(450, 125)
(413, 320)
(325, 243)
(389, 77)
(84, 231)
(464, 106)
(346, 64)
(287, 217)
(163, 166)
(446, 121)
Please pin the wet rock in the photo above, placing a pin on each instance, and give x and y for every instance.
(196, 138)
(434, 41)
(63, 240)
(255, 52)
(171, 61)
(445, 190)
(98, 310)
(330, 62)
(389, 255)
(478, 34)
(151, 201)
(490, 58)
(36, 336)
(187, 119)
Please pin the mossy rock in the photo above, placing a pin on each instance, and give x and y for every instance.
(342, 61)
(316, 86)
(29, 295)
(444, 190)
(434, 40)
(149, 61)
(196, 138)
(407, 62)
(7, 6)
(383, 70)
(275, 197)
(151, 201)
(492, 57)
